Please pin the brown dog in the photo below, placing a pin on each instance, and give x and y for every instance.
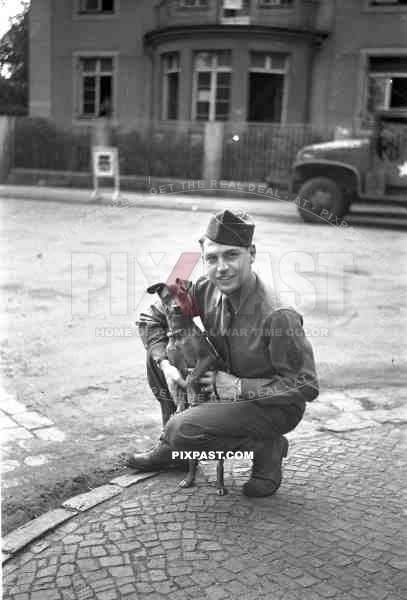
(190, 350)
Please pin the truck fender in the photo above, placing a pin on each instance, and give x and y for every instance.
(315, 171)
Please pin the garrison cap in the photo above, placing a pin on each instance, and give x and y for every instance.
(230, 228)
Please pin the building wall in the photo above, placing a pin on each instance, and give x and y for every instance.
(325, 83)
(340, 68)
(120, 34)
(40, 72)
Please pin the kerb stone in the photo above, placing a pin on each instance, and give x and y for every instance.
(85, 501)
(22, 536)
(129, 479)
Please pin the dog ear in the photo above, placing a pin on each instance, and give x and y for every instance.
(157, 287)
(180, 286)
(184, 299)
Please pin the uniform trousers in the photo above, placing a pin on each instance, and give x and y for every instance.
(222, 426)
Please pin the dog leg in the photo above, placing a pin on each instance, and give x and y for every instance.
(220, 484)
(190, 478)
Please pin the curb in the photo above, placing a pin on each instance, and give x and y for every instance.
(22, 536)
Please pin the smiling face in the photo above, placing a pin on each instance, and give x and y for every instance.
(228, 267)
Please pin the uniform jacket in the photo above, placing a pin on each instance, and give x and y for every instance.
(264, 344)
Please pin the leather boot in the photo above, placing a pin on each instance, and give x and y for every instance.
(160, 457)
(266, 472)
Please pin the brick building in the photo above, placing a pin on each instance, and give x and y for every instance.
(324, 62)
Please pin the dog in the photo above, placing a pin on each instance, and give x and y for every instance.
(190, 350)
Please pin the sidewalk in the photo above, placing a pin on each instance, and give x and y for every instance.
(278, 204)
(335, 529)
(208, 200)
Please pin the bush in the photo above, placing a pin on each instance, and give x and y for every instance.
(170, 152)
(39, 144)
(16, 110)
(160, 153)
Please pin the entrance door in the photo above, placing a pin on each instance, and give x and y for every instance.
(266, 97)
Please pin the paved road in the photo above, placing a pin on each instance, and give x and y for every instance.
(74, 401)
(335, 529)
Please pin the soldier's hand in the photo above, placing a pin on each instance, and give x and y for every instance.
(220, 383)
(173, 378)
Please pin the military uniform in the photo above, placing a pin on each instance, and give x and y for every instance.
(264, 345)
(261, 342)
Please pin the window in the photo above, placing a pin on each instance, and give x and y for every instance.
(96, 86)
(193, 3)
(388, 3)
(212, 84)
(96, 6)
(266, 86)
(386, 83)
(275, 3)
(170, 70)
(236, 8)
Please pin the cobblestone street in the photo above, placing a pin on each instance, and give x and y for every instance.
(336, 529)
(203, 202)
(56, 405)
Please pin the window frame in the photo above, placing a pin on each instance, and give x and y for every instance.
(390, 8)
(361, 114)
(271, 69)
(79, 15)
(164, 83)
(78, 116)
(389, 75)
(183, 6)
(213, 71)
(285, 5)
(241, 16)
(277, 71)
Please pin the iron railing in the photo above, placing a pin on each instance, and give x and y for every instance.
(266, 151)
(295, 14)
(173, 149)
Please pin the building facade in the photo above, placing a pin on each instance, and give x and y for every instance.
(325, 62)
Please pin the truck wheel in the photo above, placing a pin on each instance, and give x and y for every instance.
(326, 201)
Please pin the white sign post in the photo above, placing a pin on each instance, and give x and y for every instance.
(105, 163)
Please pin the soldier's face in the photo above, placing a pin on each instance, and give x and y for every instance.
(228, 267)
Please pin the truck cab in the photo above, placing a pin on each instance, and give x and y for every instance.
(328, 177)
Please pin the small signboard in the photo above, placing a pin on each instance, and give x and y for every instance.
(105, 162)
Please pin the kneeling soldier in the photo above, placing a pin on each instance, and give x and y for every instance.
(270, 372)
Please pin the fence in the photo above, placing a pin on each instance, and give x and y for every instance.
(165, 149)
(160, 149)
(40, 145)
(266, 151)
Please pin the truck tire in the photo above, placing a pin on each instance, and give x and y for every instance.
(327, 202)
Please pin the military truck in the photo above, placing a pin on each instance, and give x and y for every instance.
(329, 177)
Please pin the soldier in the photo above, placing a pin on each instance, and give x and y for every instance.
(270, 370)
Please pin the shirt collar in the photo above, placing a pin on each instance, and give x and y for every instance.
(242, 294)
